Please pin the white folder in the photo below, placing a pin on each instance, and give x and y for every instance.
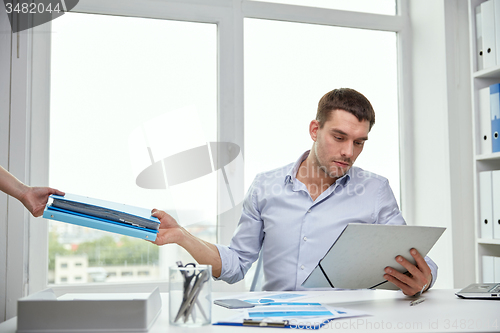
(484, 136)
(497, 30)
(486, 205)
(488, 269)
(360, 254)
(488, 24)
(496, 204)
(479, 38)
(497, 268)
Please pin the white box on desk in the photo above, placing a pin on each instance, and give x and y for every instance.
(88, 312)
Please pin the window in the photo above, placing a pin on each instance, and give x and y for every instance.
(285, 90)
(300, 64)
(123, 91)
(64, 265)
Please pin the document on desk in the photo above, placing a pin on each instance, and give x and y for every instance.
(290, 315)
(266, 297)
(360, 254)
(103, 215)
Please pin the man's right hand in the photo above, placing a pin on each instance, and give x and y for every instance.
(203, 252)
(170, 231)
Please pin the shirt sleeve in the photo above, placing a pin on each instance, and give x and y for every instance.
(246, 243)
(389, 213)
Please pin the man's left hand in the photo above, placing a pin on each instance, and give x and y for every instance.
(419, 277)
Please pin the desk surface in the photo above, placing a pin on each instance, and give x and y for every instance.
(389, 312)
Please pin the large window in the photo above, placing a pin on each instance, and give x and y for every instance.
(126, 93)
(290, 66)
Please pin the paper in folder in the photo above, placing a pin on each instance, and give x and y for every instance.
(103, 215)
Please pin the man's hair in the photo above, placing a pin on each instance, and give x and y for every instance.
(348, 100)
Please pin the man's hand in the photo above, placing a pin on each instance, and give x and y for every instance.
(35, 198)
(418, 279)
(170, 231)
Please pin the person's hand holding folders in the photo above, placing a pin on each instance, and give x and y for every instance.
(33, 198)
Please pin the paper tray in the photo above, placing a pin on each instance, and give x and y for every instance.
(43, 312)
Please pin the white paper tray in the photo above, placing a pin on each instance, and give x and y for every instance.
(100, 312)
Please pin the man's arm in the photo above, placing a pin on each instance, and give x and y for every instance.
(171, 232)
(33, 198)
(420, 276)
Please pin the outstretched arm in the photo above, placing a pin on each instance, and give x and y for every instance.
(33, 198)
(171, 232)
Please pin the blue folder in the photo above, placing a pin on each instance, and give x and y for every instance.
(67, 216)
(495, 117)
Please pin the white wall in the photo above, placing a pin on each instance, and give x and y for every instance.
(5, 42)
(442, 136)
(460, 141)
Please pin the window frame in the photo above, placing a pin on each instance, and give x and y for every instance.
(26, 260)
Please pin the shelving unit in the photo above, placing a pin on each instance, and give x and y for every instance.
(482, 162)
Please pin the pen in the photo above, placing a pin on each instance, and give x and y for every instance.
(264, 323)
(417, 301)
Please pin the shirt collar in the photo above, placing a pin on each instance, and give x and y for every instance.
(292, 172)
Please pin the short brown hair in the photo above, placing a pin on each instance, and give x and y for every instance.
(348, 100)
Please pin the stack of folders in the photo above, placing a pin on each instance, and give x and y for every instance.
(488, 34)
(103, 215)
(489, 119)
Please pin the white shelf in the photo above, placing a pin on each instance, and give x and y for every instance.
(488, 241)
(488, 157)
(488, 73)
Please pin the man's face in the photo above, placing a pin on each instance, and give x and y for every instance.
(339, 143)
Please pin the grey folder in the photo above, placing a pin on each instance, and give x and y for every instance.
(361, 253)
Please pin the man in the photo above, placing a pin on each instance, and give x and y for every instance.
(295, 213)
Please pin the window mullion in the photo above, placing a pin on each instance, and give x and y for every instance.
(230, 117)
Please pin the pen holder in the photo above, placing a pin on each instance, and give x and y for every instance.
(190, 295)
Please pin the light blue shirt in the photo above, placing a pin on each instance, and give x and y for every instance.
(294, 231)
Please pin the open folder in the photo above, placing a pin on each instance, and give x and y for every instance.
(103, 215)
(360, 254)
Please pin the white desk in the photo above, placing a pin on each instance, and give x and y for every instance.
(390, 312)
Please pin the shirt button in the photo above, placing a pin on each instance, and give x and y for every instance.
(302, 267)
(309, 211)
(305, 238)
